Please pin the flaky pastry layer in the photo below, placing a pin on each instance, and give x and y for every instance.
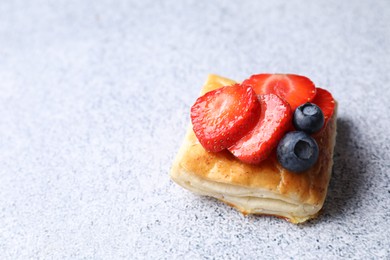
(266, 188)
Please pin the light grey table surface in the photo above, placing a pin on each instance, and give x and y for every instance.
(94, 103)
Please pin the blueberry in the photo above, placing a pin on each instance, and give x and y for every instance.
(308, 118)
(297, 151)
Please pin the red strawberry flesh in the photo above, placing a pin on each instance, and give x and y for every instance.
(222, 116)
(295, 89)
(274, 120)
(325, 101)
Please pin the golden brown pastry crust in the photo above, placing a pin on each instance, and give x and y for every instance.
(308, 188)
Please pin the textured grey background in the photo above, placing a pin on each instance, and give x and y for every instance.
(94, 103)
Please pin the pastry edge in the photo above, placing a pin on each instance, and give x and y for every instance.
(247, 204)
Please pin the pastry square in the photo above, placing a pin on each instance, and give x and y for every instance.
(266, 188)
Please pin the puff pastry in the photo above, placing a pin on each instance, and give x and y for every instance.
(266, 188)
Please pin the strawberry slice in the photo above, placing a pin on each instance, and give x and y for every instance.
(295, 89)
(275, 119)
(325, 101)
(222, 116)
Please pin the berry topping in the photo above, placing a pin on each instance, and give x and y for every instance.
(297, 151)
(274, 121)
(295, 89)
(222, 116)
(325, 101)
(308, 118)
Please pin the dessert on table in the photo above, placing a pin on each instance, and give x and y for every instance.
(264, 146)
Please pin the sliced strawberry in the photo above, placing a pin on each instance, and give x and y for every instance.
(295, 89)
(325, 101)
(275, 119)
(222, 116)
